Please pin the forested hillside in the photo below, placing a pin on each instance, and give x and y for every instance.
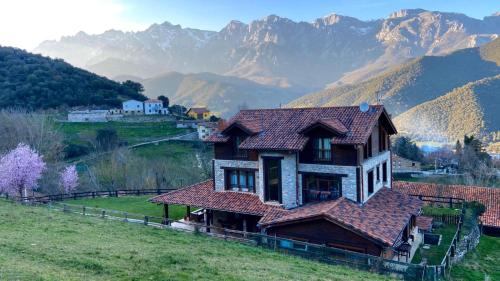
(468, 110)
(36, 82)
(411, 84)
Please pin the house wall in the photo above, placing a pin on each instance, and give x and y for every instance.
(132, 107)
(348, 182)
(372, 164)
(219, 178)
(321, 231)
(402, 165)
(152, 108)
(289, 177)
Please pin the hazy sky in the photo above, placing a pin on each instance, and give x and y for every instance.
(25, 23)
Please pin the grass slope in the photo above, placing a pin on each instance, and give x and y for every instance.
(38, 244)
(132, 132)
(131, 204)
(480, 263)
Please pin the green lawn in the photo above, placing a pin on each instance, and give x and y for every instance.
(131, 204)
(429, 210)
(435, 254)
(130, 132)
(480, 263)
(41, 244)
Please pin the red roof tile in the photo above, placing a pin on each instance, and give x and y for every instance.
(490, 197)
(382, 218)
(424, 223)
(280, 129)
(203, 195)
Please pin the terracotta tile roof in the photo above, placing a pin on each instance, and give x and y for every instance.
(424, 223)
(199, 110)
(382, 218)
(203, 195)
(331, 123)
(279, 129)
(153, 101)
(490, 197)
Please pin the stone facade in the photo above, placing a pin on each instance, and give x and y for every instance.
(219, 178)
(372, 164)
(289, 177)
(348, 183)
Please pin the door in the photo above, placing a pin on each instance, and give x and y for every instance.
(272, 179)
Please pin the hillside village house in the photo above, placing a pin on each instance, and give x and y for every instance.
(320, 175)
(199, 113)
(154, 107)
(205, 129)
(133, 107)
(404, 165)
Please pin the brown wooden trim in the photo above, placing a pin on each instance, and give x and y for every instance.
(240, 169)
(323, 174)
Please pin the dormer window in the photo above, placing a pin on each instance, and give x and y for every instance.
(322, 149)
(239, 153)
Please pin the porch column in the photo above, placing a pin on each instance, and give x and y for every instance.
(165, 214)
(188, 212)
(245, 227)
(207, 219)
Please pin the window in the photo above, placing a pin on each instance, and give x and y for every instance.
(322, 149)
(239, 153)
(370, 182)
(240, 180)
(378, 173)
(384, 172)
(321, 188)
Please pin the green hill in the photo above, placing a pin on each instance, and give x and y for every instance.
(470, 109)
(410, 84)
(38, 244)
(35, 82)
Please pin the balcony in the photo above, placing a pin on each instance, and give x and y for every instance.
(316, 195)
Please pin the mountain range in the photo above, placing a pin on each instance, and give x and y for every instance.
(275, 50)
(438, 98)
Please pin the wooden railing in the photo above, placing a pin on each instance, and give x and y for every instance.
(87, 194)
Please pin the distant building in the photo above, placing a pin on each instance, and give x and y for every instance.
(88, 116)
(206, 129)
(404, 165)
(187, 124)
(154, 107)
(133, 107)
(199, 113)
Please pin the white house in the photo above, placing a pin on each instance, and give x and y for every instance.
(206, 129)
(133, 107)
(154, 107)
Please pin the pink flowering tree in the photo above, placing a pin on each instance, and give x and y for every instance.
(69, 179)
(20, 170)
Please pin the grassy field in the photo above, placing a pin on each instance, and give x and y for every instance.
(436, 253)
(480, 263)
(428, 211)
(130, 132)
(132, 204)
(40, 244)
(442, 179)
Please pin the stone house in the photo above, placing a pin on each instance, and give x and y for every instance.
(404, 165)
(199, 113)
(320, 175)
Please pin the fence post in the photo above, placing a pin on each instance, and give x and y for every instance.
(146, 220)
(93, 194)
(126, 216)
(65, 208)
(103, 213)
(74, 196)
(84, 209)
(116, 193)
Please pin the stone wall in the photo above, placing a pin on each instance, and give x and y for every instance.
(219, 172)
(375, 163)
(288, 177)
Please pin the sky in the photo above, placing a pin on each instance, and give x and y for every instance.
(26, 23)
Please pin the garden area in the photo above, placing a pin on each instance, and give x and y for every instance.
(39, 244)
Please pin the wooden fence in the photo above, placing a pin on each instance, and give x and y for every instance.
(87, 194)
